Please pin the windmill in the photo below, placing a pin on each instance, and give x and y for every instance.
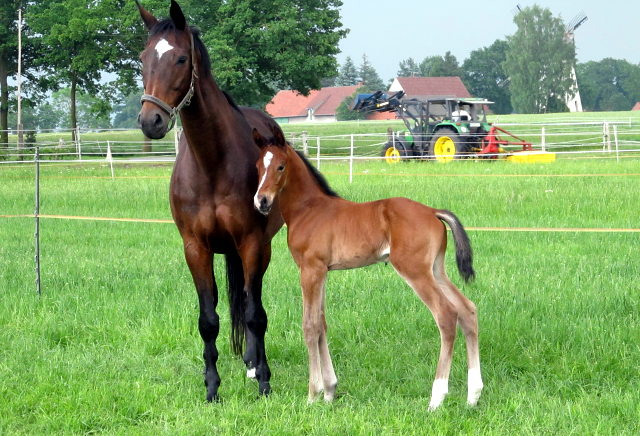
(573, 101)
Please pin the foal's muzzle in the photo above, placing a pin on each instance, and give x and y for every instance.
(262, 204)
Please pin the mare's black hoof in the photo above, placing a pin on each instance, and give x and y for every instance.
(214, 399)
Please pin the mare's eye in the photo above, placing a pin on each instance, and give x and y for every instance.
(182, 60)
(281, 167)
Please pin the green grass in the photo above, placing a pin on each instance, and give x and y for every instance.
(112, 346)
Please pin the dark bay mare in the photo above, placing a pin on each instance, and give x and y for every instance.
(326, 232)
(212, 186)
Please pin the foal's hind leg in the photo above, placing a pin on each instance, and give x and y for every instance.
(417, 273)
(200, 263)
(321, 372)
(468, 321)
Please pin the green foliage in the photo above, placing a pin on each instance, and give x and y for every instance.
(608, 85)
(485, 78)
(127, 112)
(348, 74)
(257, 47)
(61, 102)
(370, 76)
(431, 66)
(539, 62)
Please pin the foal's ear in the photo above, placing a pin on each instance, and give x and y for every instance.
(148, 19)
(177, 16)
(278, 136)
(260, 140)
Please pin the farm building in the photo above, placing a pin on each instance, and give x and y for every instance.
(320, 106)
(636, 107)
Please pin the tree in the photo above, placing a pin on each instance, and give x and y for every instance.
(348, 74)
(9, 57)
(539, 62)
(78, 41)
(608, 85)
(369, 75)
(126, 113)
(61, 102)
(408, 68)
(485, 78)
(259, 46)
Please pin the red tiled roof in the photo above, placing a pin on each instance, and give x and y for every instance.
(433, 87)
(636, 107)
(294, 104)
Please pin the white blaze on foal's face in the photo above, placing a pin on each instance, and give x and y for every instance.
(162, 47)
(266, 161)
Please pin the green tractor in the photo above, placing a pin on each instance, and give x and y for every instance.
(440, 129)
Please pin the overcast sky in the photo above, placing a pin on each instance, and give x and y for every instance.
(390, 31)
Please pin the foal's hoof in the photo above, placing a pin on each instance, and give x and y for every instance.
(215, 398)
(264, 389)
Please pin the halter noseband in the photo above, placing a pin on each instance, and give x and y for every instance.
(186, 101)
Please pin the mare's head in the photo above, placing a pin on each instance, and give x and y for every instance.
(168, 71)
(272, 169)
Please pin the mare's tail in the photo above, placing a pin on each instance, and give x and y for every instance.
(464, 255)
(235, 287)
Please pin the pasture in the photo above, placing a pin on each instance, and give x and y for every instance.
(112, 345)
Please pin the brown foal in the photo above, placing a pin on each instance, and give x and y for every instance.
(326, 232)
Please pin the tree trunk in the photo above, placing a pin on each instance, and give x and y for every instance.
(74, 80)
(4, 105)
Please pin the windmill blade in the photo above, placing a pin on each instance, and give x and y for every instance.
(576, 22)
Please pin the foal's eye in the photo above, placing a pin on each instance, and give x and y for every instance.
(182, 60)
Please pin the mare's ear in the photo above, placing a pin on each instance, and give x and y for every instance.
(177, 16)
(259, 139)
(148, 19)
(278, 136)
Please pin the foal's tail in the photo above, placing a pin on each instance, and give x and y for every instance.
(235, 287)
(464, 254)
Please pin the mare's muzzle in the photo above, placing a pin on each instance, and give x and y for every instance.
(154, 122)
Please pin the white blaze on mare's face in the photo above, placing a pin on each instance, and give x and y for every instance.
(162, 47)
(266, 161)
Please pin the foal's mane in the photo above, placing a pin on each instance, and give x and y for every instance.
(317, 175)
(167, 25)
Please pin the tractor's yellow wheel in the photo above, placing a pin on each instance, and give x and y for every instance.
(444, 149)
(392, 155)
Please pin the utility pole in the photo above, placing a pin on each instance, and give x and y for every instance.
(20, 138)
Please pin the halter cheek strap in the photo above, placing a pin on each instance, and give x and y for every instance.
(186, 101)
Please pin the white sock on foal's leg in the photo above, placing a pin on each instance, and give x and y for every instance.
(439, 390)
(475, 386)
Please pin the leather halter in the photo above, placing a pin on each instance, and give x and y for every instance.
(186, 101)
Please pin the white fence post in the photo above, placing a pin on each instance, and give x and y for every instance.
(176, 135)
(110, 158)
(543, 141)
(609, 137)
(615, 137)
(351, 162)
(305, 144)
(318, 152)
(78, 143)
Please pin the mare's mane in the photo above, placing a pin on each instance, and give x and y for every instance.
(167, 25)
(318, 177)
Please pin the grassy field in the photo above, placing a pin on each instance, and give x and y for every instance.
(112, 346)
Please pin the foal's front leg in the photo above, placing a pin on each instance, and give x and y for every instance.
(321, 372)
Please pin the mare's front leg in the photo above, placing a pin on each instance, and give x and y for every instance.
(200, 261)
(255, 259)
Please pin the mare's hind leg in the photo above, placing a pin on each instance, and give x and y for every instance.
(200, 263)
(468, 321)
(321, 373)
(415, 269)
(255, 258)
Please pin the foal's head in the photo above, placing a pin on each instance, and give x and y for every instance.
(168, 71)
(272, 169)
